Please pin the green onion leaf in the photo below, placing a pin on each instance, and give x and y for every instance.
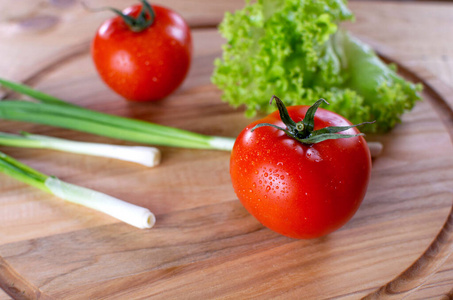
(56, 112)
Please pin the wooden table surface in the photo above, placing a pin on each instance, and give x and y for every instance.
(56, 250)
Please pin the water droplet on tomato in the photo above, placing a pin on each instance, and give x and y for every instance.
(265, 174)
(313, 155)
(268, 188)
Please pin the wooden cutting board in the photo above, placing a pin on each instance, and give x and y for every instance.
(204, 244)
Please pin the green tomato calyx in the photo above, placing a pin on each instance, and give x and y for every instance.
(137, 24)
(303, 131)
(144, 19)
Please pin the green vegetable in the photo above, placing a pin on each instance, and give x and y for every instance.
(129, 213)
(56, 112)
(295, 49)
(147, 156)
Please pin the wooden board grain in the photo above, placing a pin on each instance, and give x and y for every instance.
(205, 245)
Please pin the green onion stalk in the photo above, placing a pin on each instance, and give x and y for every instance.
(134, 215)
(52, 111)
(56, 112)
(147, 156)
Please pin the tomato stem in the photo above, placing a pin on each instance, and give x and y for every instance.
(137, 24)
(303, 131)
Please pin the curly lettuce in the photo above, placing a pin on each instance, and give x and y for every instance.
(295, 50)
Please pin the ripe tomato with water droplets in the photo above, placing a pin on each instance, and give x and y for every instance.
(300, 190)
(147, 65)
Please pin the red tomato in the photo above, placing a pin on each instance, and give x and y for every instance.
(146, 65)
(300, 191)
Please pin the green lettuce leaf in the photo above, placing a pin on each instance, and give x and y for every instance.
(294, 49)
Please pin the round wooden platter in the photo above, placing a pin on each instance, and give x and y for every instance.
(204, 244)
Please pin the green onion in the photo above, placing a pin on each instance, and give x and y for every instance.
(56, 112)
(147, 156)
(26, 90)
(129, 213)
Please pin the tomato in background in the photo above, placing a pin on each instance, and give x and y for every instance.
(149, 63)
(301, 190)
